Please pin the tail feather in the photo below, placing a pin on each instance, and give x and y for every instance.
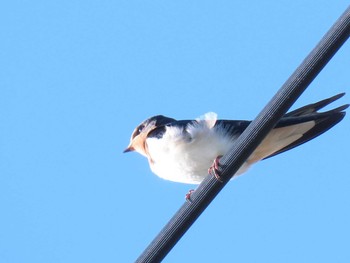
(323, 121)
(314, 107)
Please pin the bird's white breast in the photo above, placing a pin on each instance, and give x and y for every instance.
(185, 155)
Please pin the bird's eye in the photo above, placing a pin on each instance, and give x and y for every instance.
(137, 131)
(141, 128)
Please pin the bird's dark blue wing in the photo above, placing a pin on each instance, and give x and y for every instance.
(323, 121)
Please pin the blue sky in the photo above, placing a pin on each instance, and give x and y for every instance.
(76, 78)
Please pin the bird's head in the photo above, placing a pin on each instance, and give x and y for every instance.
(140, 133)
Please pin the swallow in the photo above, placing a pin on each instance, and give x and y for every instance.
(183, 150)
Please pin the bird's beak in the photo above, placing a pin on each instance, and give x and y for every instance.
(129, 149)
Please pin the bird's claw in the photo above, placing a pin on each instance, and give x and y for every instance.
(188, 195)
(213, 169)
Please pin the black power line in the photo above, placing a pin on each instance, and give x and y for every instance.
(249, 140)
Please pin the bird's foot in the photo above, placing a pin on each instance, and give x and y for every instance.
(188, 195)
(213, 169)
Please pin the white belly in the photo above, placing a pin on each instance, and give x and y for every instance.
(177, 159)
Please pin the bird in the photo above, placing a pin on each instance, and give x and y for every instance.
(185, 150)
